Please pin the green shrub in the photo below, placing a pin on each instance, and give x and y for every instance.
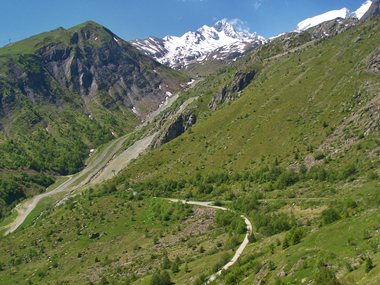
(323, 275)
(166, 263)
(228, 219)
(293, 237)
(161, 278)
(329, 216)
(270, 224)
(348, 171)
(286, 179)
(233, 277)
(199, 281)
(317, 173)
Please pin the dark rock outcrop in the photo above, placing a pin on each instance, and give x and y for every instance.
(110, 67)
(231, 92)
(177, 127)
(331, 28)
(94, 235)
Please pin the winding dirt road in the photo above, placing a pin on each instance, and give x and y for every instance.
(105, 165)
(73, 182)
(242, 246)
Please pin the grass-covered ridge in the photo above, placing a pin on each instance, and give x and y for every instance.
(296, 104)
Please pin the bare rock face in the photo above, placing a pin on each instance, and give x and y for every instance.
(231, 92)
(92, 62)
(111, 67)
(176, 128)
(332, 28)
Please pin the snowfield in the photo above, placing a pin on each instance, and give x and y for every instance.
(343, 13)
(328, 16)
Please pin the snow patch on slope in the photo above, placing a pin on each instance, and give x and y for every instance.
(328, 16)
(359, 13)
(343, 13)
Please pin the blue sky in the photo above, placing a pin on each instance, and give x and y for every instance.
(132, 19)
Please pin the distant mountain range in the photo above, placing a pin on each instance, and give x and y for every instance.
(225, 40)
(222, 41)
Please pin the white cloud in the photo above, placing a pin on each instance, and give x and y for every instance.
(239, 25)
(258, 4)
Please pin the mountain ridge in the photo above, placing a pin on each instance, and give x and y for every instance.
(84, 83)
(225, 41)
(218, 41)
(287, 136)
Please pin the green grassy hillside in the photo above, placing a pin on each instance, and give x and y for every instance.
(297, 152)
(296, 104)
(109, 235)
(65, 92)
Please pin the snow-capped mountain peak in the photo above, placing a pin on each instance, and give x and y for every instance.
(343, 13)
(223, 40)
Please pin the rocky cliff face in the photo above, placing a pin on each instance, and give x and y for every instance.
(178, 125)
(65, 92)
(113, 68)
(231, 92)
(94, 63)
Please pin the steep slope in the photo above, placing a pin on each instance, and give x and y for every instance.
(298, 150)
(290, 140)
(88, 60)
(67, 91)
(295, 148)
(222, 41)
(284, 96)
